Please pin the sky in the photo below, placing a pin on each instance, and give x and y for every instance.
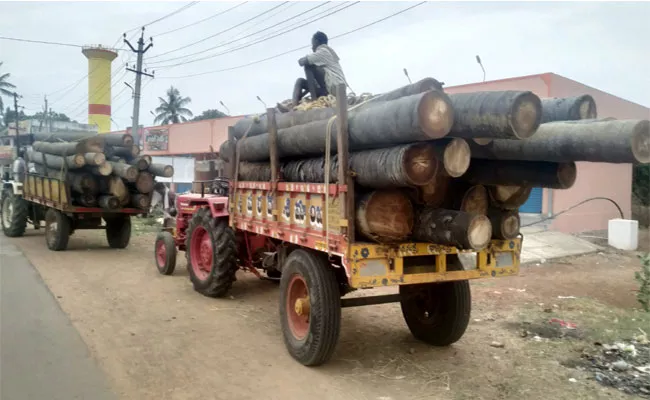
(600, 44)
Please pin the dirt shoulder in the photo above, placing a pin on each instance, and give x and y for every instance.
(158, 339)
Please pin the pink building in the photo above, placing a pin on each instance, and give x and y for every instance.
(594, 179)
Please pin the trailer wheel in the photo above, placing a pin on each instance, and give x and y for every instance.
(118, 231)
(14, 214)
(437, 313)
(211, 254)
(57, 230)
(165, 253)
(310, 307)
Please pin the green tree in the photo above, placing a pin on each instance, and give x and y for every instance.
(4, 89)
(209, 114)
(172, 109)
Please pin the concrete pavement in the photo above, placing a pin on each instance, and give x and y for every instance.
(540, 246)
(42, 355)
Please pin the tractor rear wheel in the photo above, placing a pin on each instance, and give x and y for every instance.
(57, 230)
(211, 252)
(310, 307)
(14, 214)
(165, 253)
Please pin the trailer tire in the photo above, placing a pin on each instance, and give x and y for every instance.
(165, 253)
(437, 313)
(57, 230)
(310, 339)
(211, 253)
(118, 231)
(15, 212)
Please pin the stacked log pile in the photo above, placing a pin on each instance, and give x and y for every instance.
(105, 171)
(447, 169)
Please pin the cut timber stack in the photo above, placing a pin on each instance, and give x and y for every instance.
(105, 171)
(446, 169)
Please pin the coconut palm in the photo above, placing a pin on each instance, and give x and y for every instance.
(4, 87)
(172, 109)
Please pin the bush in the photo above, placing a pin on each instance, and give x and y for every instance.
(643, 277)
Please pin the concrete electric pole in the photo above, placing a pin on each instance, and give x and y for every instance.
(138, 81)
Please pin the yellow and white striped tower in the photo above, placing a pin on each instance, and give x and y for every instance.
(99, 86)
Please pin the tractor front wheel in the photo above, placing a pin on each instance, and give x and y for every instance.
(211, 254)
(14, 214)
(165, 253)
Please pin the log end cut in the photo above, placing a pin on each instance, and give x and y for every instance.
(525, 115)
(420, 164)
(479, 232)
(641, 142)
(456, 157)
(436, 114)
(475, 200)
(385, 216)
(509, 197)
(505, 223)
(586, 107)
(567, 174)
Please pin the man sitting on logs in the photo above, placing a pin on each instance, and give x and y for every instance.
(322, 71)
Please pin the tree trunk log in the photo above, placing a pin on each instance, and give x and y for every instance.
(166, 171)
(505, 223)
(141, 201)
(83, 182)
(71, 162)
(94, 158)
(522, 173)
(108, 202)
(408, 119)
(126, 171)
(68, 149)
(507, 114)
(433, 194)
(455, 155)
(85, 199)
(124, 139)
(385, 216)
(509, 197)
(116, 159)
(618, 141)
(141, 163)
(117, 188)
(452, 228)
(468, 198)
(127, 153)
(568, 108)
(259, 125)
(105, 169)
(144, 182)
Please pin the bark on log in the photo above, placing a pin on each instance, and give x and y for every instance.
(522, 173)
(85, 199)
(141, 163)
(507, 114)
(385, 216)
(117, 188)
(71, 162)
(105, 169)
(505, 223)
(94, 158)
(124, 139)
(617, 141)
(125, 152)
(568, 108)
(108, 202)
(509, 197)
(166, 171)
(141, 201)
(259, 124)
(468, 198)
(67, 149)
(116, 159)
(78, 136)
(126, 171)
(419, 117)
(227, 150)
(144, 182)
(452, 228)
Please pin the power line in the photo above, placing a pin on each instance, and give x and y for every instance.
(202, 20)
(218, 33)
(260, 40)
(41, 42)
(244, 37)
(296, 49)
(185, 7)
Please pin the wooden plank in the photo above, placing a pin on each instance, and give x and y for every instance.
(343, 151)
(273, 155)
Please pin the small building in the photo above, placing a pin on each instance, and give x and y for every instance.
(613, 181)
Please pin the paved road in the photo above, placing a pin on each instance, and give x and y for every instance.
(41, 354)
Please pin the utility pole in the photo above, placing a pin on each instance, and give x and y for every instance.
(16, 121)
(138, 82)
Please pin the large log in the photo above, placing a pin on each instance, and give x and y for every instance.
(385, 216)
(141, 163)
(505, 223)
(468, 198)
(522, 173)
(117, 188)
(433, 194)
(82, 182)
(94, 158)
(568, 108)
(509, 197)
(455, 155)
(507, 114)
(126, 171)
(144, 182)
(78, 136)
(85, 199)
(67, 149)
(452, 228)
(617, 141)
(125, 152)
(123, 139)
(419, 117)
(71, 162)
(105, 169)
(166, 171)
(258, 125)
(141, 201)
(109, 202)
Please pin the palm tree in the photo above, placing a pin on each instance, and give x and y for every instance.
(172, 110)
(4, 87)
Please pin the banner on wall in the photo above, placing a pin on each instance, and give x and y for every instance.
(156, 139)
